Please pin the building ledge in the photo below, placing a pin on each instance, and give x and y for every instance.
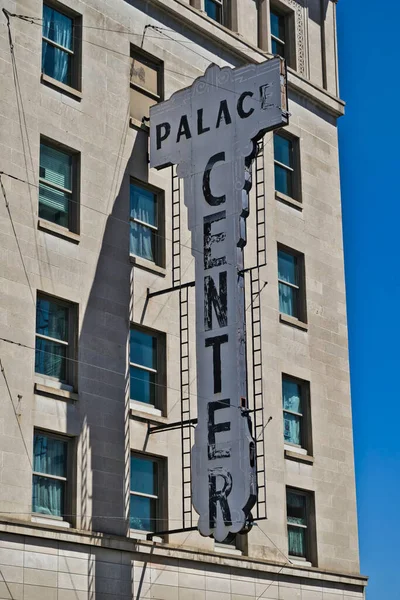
(55, 229)
(297, 456)
(288, 320)
(46, 390)
(288, 200)
(61, 87)
(147, 265)
(234, 43)
(168, 551)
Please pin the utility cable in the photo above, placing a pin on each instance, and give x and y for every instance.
(15, 412)
(16, 238)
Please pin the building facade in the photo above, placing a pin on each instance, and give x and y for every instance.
(95, 367)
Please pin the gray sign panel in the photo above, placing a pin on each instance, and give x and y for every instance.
(209, 130)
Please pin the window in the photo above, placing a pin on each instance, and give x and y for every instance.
(146, 83)
(278, 33)
(291, 284)
(286, 162)
(60, 46)
(147, 367)
(295, 399)
(146, 223)
(49, 485)
(54, 339)
(58, 195)
(215, 10)
(145, 504)
(300, 524)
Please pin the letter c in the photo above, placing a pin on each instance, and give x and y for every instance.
(241, 112)
(212, 200)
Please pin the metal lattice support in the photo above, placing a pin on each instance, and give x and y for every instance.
(258, 405)
(186, 428)
(256, 339)
(261, 237)
(176, 229)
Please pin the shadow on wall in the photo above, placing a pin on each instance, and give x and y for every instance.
(103, 384)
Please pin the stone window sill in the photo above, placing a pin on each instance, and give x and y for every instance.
(145, 413)
(288, 200)
(288, 320)
(58, 230)
(295, 560)
(47, 390)
(147, 265)
(138, 125)
(299, 457)
(142, 535)
(65, 89)
(39, 520)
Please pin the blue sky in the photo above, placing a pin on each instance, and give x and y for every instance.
(370, 168)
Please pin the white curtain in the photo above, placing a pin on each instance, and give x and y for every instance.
(143, 208)
(49, 457)
(58, 28)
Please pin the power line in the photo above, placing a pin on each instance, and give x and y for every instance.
(125, 222)
(15, 412)
(16, 238)
(143, 36)
(39, 20)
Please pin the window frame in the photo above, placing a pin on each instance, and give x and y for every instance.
(310, 540)
(154, 63)
(300, 286)
(74, 193)
(68, 490)
(295, 169)
(281, 10)
(159, 246)
(160, 383)
(161, 498)
(76, 53)
(222, 7)
(305, 428)
(70, 359)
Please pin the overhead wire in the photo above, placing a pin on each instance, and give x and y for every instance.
(159, 30)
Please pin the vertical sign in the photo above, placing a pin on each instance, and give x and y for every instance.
(210, 131)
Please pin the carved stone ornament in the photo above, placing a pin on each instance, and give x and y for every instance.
(300, 33)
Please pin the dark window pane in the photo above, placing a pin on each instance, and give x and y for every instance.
(297, 541)
(143, 205)
(296, 508)
(278, 48)
(53, 205)
(144, 475)
(283, 180)
(292, 428)
(143, 349)
(50, 359)
(288, 300)
(48, 496)
(57, 27)
(56, 63)
(287, 266)
(278, 26)
(291, 392)
(283, 150)
(213, 10)
(142, 386)
(49, 455)
(143, 513)
(142, 241)
(51, 319)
